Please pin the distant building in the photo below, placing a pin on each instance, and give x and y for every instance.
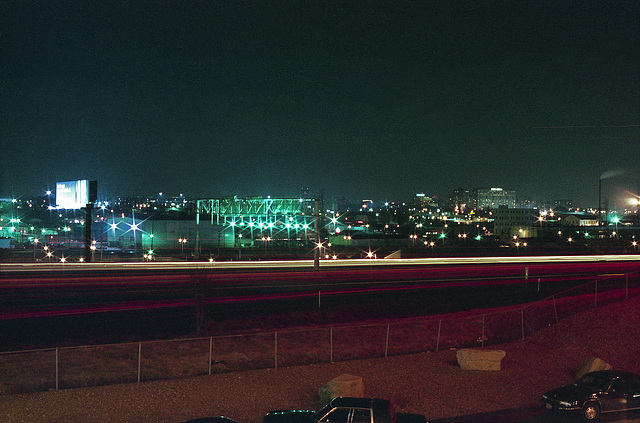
(562, 204)
(461, 200)
(579, 219)
(511, 221)
(423, 201)
(492, 198)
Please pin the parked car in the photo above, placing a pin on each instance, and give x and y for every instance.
(346, 410)
(604, 391)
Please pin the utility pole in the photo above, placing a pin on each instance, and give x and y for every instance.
(87, 232)
(316, 254)
(88, 209)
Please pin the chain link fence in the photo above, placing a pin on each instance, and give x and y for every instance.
(93, 365)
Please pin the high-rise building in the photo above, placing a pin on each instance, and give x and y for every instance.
(461, 200)
(492, 198)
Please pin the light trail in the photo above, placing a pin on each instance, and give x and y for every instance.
(38, 290)
(305, 264)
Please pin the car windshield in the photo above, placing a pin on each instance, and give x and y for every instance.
(594, 381)
(323, 412)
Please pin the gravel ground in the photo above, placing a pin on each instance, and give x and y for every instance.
(428, 383)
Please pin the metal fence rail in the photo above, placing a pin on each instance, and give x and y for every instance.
(92, 365)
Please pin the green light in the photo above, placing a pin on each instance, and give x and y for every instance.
(442, 236)
(478, 238)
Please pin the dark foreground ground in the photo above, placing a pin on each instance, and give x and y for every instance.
(428, 383)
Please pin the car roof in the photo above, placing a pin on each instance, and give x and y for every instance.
(359, 402)
(613, 373)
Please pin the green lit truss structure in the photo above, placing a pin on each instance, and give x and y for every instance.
(257, 220)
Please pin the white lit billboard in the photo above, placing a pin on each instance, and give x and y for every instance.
(72, 195)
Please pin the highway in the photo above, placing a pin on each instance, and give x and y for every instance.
(303, 264)
(42, 289)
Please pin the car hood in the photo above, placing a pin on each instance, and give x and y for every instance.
(571, 393)
(289, 416)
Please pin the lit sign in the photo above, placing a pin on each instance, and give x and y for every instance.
(75, 194)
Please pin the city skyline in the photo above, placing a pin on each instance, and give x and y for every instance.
(459, 201)
(374, 99)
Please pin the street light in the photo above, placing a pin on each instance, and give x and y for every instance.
(35, 242)
(182, 241)
(616, 220)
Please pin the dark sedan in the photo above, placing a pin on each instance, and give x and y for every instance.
(604, 391)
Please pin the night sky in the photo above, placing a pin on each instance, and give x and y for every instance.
(361, 99)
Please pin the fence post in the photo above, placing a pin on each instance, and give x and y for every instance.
(483, 330)
(57, 379)
(139, 359)
(331, 344)
(319, 300)
(438, 338)
(555, 310)
(595, 296)
(275, 353)
(626, 287)
(386, 346)
(210, 352)
(522, 320)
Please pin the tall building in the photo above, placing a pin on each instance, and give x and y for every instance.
(511, 221)
(461, 200)
(492, 198)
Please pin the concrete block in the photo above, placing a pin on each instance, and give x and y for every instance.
(342, 386)
(471, 359)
